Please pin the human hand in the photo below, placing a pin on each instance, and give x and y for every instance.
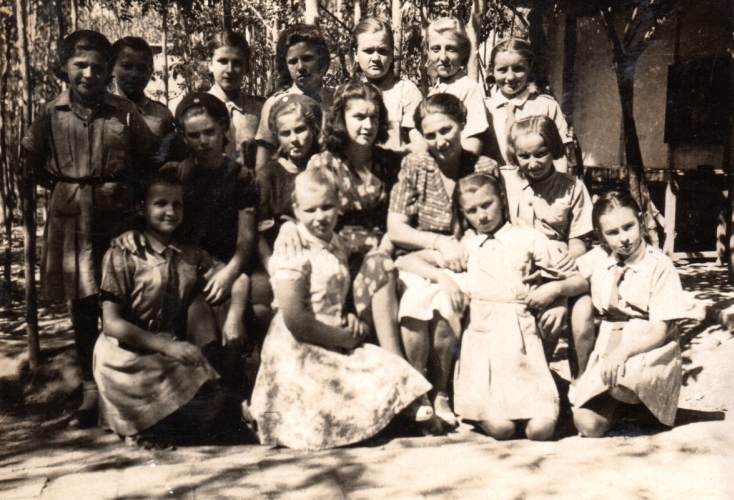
(290, 241)
(356, 330)
(130, 241)
(454, 293)
(219, 286)
(541, 297)
(552, 320)
(452, 252)
(386, 245)
(612, 367)
(185, 353)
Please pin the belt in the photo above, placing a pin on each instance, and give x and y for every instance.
(86, 181)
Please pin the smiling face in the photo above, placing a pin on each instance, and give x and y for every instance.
(443, 136)
(620, 230)
(361, 119)
(295, 136)
(228, 66)
(203, 136)
(132, 72)
(533, 156)
(303, 66)
(444, 54)
(374, 54)
(511, 72)
(163, 210)
(87, 71)
(316, 209)
(483, 209)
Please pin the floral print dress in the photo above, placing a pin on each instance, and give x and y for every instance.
(311, 397)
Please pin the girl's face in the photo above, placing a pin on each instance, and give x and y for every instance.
(163, 209)
(620, 230)
(228, 66)
(132, 72)
(87, 71)
(303, 66)
(442, 134)
(533, 156)
(316, 208)
(203, 136)
(511, 73)
(295, 136)
(362, 120)
(483, 209)
(444, 54)
(374, 54)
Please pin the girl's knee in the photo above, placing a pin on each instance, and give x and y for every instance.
(590, 424)
(498, 429)
(540, 429)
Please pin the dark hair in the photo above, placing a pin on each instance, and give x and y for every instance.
(452, 27)
(300, 33)
(168, 178)
(196, 103)
(612, 200)
(512, 44)
(334, 136)
(541, 125)
(471, 184)
(373, 25)
(447, 104)
(230, 39)
(133, 43)
(84, 40)
(305, 107)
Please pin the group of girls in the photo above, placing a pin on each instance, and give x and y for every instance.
(353, 239)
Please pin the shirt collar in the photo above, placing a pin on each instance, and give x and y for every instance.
(217, 92)
(442, 84)
(158, 247)
(108, 100)
(498, 99)
(501, 234)
(313, 240)
(613, 260)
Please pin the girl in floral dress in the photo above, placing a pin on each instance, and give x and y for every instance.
(318, 386)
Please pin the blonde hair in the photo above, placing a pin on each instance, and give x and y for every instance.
(451, 27)
(312, 178)
(541, 125)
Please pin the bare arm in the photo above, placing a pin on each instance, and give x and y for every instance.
(545, 294)
(262, 157)
(423, 263)
(264, 251)
(402, 234)
(576, 247)
(613, 368)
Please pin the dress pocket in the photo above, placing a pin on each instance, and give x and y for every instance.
(116, 146)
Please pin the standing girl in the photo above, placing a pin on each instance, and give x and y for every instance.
(86, 146)
(502, 376)
(420, 218)
(302, 59)
(374, 49)
(514, 96)
(145, 369)
(318, 386)
(448, 52)
(229, 55)
(637, 292)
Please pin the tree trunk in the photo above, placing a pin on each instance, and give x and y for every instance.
(311, 14)
(74, 14)
(29, 198)
(185, 46)
(474, 30)
(625, 69)
(424, 55)
(164, 47)
(7, 191)
(397, 33)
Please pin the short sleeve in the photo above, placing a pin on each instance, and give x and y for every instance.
(405, 193)
(666, 296)
(581, 207)
(412, 98)
(118, 274)
(476, 112)
(283, 268)
(263, 130)
(37, 140)
(488, 166)
(587, 262)
(555, 113)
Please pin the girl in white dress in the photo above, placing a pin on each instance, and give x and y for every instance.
(502, 376)
(319, 386)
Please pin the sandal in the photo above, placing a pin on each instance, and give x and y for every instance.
(443, 410)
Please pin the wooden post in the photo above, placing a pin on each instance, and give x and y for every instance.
(164, 48)
(28, 196)
(311, 14)
(227, 15)
(473, 31)
(397, 30)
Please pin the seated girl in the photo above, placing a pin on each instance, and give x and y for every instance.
(637, 292)
(144, 367)
(319, 386)
(502, 376)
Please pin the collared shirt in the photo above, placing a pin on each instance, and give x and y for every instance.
(155, 288)
(245, 117)
(420, 193)
(401, 102)
(471, 94)
(649, 288)
(527, 103)
(325, 97)
(558, 206)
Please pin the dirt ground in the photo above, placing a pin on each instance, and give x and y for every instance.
(40, 458)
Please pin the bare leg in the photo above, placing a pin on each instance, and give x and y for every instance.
(85, 314)
(582, 329)
(498, 428)
(385, 317)
(442, 357)
(595, 418)
(234, 324)
(415, 339)
(540, 429)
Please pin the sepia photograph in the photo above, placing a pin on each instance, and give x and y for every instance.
(366, 249)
